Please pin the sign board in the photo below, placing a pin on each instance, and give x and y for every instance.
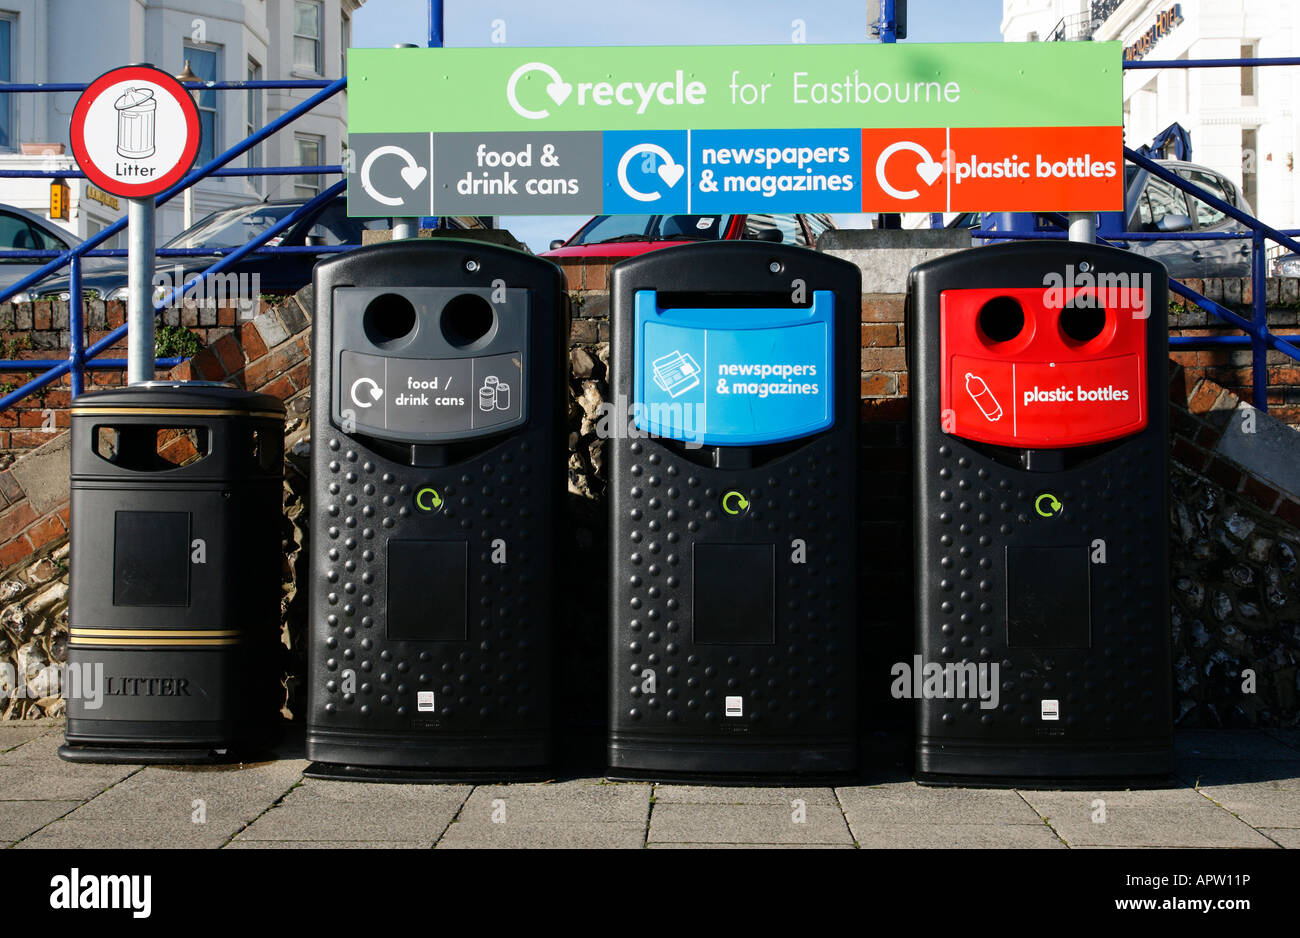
(1043, 388)
(135, 131)
(733, 377)
(704, 129)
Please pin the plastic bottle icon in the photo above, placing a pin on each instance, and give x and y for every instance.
(983, 397)
(135, 123)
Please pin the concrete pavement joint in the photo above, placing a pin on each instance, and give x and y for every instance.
(1046, 822)
(455, 817)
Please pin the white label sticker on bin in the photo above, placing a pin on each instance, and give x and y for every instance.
(1051, 709)
(735, 706)
(424, 701)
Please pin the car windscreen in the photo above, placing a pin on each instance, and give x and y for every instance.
(607, 229)
(231, 229)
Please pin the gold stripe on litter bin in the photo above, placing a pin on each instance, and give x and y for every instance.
(171, 412)
(177, 637)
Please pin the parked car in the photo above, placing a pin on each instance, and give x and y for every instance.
(224, 231)
(23, 231)
(1151, 205)
(629, 235)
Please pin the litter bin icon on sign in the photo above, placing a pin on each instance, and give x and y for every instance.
(136, 109)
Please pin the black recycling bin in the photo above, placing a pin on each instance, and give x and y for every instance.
(734, 514)
(174, 610)
(438, 471)
(1039, 396)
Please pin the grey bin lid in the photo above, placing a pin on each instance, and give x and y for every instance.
(137, 99)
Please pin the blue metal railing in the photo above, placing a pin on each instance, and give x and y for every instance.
(81, 357)
(1257, 333)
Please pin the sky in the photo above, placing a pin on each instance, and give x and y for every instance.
(381, 23)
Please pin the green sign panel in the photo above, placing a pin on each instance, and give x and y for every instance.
(1030, 84)
(705, 130)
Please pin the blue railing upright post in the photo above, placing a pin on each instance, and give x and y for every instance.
(1259, 315)
(76, 359)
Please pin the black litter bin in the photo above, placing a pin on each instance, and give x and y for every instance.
(734, 513)
(174, 611)
(1039, 398)
(438, 473)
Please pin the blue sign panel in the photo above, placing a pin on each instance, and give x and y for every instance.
(733, 377)
(776, 170)
(646, 173)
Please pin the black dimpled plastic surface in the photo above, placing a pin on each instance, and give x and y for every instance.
(492, 689)
(973, 503)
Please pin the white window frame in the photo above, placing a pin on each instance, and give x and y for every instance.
(318, 39)
(312, 181)
(215, 108)
(254, 119)
(11, 100)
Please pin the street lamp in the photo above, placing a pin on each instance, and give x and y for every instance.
(187, 75)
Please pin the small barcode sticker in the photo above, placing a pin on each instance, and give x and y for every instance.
(1051, 709)
(424, 701)
(735, 706)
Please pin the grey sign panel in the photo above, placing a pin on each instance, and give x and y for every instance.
(517, 173)
(427, 387)
(422, 397)
(390, 175)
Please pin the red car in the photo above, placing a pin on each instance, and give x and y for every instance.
(629, 235)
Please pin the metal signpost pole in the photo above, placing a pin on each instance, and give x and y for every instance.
(140, 312)
(1083, 226)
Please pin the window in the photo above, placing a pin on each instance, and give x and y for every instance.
(787, 225)
(21, 235)
(205, 61)
(1248, 75)
(1249, 166)
(309, 147)
(345, 42)
(253, 122)
(1159, 199)
(8, 132)
(307, 35)
(333, 226)
(1207, 216)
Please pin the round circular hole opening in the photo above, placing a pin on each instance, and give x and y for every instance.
(1001, 319)
(1082, 322)
(389, 318)
(467, 319)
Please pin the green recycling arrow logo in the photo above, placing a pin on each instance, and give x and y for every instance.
(735, 503)
(1053, 504)
(428, 499)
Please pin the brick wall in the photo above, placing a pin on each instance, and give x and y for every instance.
(40, 331)
(1231, 368)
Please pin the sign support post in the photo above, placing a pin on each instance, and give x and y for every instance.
(141, 215)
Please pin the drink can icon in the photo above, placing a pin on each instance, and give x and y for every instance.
(503, 396)
(136, 110)
(487, 397)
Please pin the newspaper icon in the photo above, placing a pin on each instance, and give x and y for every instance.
(676, 373)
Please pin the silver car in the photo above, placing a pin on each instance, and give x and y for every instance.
(23, 231)
(1151, 204)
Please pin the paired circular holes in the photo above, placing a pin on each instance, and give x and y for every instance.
(390, 320)
(1002, 319)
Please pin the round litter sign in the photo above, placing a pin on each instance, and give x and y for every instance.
(135, 131)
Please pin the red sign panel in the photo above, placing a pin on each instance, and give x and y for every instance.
(1003, 169)
(1044, 367)
(135, 131)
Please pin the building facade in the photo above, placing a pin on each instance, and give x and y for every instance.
(223, 40)
(1241, 120)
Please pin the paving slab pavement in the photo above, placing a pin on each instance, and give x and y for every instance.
(1234, 788)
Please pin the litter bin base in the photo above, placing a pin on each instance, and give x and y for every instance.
(1132, 764)
(452, 756)
(145, 755)
(762, 761)
(336, 772)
